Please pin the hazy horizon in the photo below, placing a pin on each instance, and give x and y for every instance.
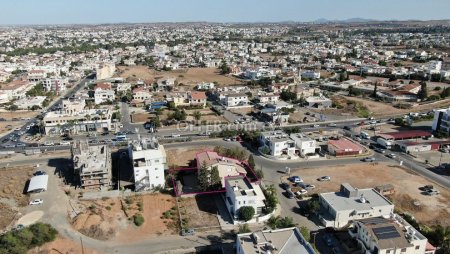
(65, 12)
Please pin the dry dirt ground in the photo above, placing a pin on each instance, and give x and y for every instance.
(112, 218)
(200, 211)
(12, 184)
(432, 210)
(61, 245)
(190, 77)
(9, 125)
(154, 205)
(182, 157)
(18, 114)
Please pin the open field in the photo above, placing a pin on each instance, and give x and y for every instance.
(432, 210)
(199, 211)
(154, 205)
(183, 156)
(20, 114)
(9, 125)
(189, 77)
(112, 218)
(12, 184)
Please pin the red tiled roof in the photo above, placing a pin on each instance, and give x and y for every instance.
(344, 144)
(408, 134)
(198, 95)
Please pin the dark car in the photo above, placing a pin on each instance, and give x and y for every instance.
(39, 173)
(187, 232)
(284, 186)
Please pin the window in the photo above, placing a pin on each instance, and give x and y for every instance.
(388, 251)
(417, 247)
(404, 250)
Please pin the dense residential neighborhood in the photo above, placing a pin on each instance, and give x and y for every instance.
(211, 137)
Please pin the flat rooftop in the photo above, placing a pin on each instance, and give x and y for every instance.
(340, 201)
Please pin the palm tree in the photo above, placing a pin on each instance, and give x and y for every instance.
(197, 115)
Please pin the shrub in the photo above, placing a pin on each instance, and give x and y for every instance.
(22, 240)
(138, 219)
(244, 229)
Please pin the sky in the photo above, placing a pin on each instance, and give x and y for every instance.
(20, 12)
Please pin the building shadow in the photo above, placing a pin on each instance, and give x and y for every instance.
(64, 170)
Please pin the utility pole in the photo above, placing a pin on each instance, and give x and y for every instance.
(82, 247)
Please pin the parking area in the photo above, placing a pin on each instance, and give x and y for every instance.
(408, 197)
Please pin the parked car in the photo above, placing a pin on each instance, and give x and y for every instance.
(227, 139)
(21, 145)
(285, 186)
(315, 126)
(301, 192)
(65, 143)
(188, 232)
(432, 192)
(295, 179)
(48, 143)
(369, 159)
(289, 194)
(309, 186)
(39, 173)
(391, 155)
(332, 125)
(324, 178)
(37, 202)
(379, 150)
(427, 187)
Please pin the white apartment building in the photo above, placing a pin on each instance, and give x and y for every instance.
(339, 209)
(441, 121)
(149, 161)
(234, 99)
(56, 85)
(389, 235)
(205, 86)
(278, 142)
(305, 145)
(73, 118)
(36, 76)
(240, 192)
(101, 96)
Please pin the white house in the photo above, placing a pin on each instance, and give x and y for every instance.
(149, 161)
(310, 74)
(305, 145)
(278, 142)
(389, 235)
(233, 99)
(205, 86)
(339, 209)
(241, 192)
(56, 85)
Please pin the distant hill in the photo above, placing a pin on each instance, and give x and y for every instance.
(351, 20)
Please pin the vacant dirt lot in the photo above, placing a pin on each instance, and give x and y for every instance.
(432, 209)
(21, 114)
(182, 157)
(199, 211)
(155, 224)
(189, 77)
(112, 218)
(9, 125)
(12, 184)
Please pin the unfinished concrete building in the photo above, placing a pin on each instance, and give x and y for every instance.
(92, 163)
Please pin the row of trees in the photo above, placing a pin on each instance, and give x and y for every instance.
(22, 240)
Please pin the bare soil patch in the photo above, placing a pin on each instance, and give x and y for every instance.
(9, 125)
(183, 157)
(432, 209)
(12, 184)
(199, 211)
(190, 77)
(20, 114)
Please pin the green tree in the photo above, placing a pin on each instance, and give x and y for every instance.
(313, 206)
(138, 219)
(224, 68)
(203, 177)
(246, 213)
(445, 93)
(423, 93)
(197, 115)
(251, 161)
(288, 95)
(375, 89)
(215, 182)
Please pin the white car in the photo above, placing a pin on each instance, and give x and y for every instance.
(48, 143)
(37, 202)
(301, 192)
(332, 125)
(65, 143)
